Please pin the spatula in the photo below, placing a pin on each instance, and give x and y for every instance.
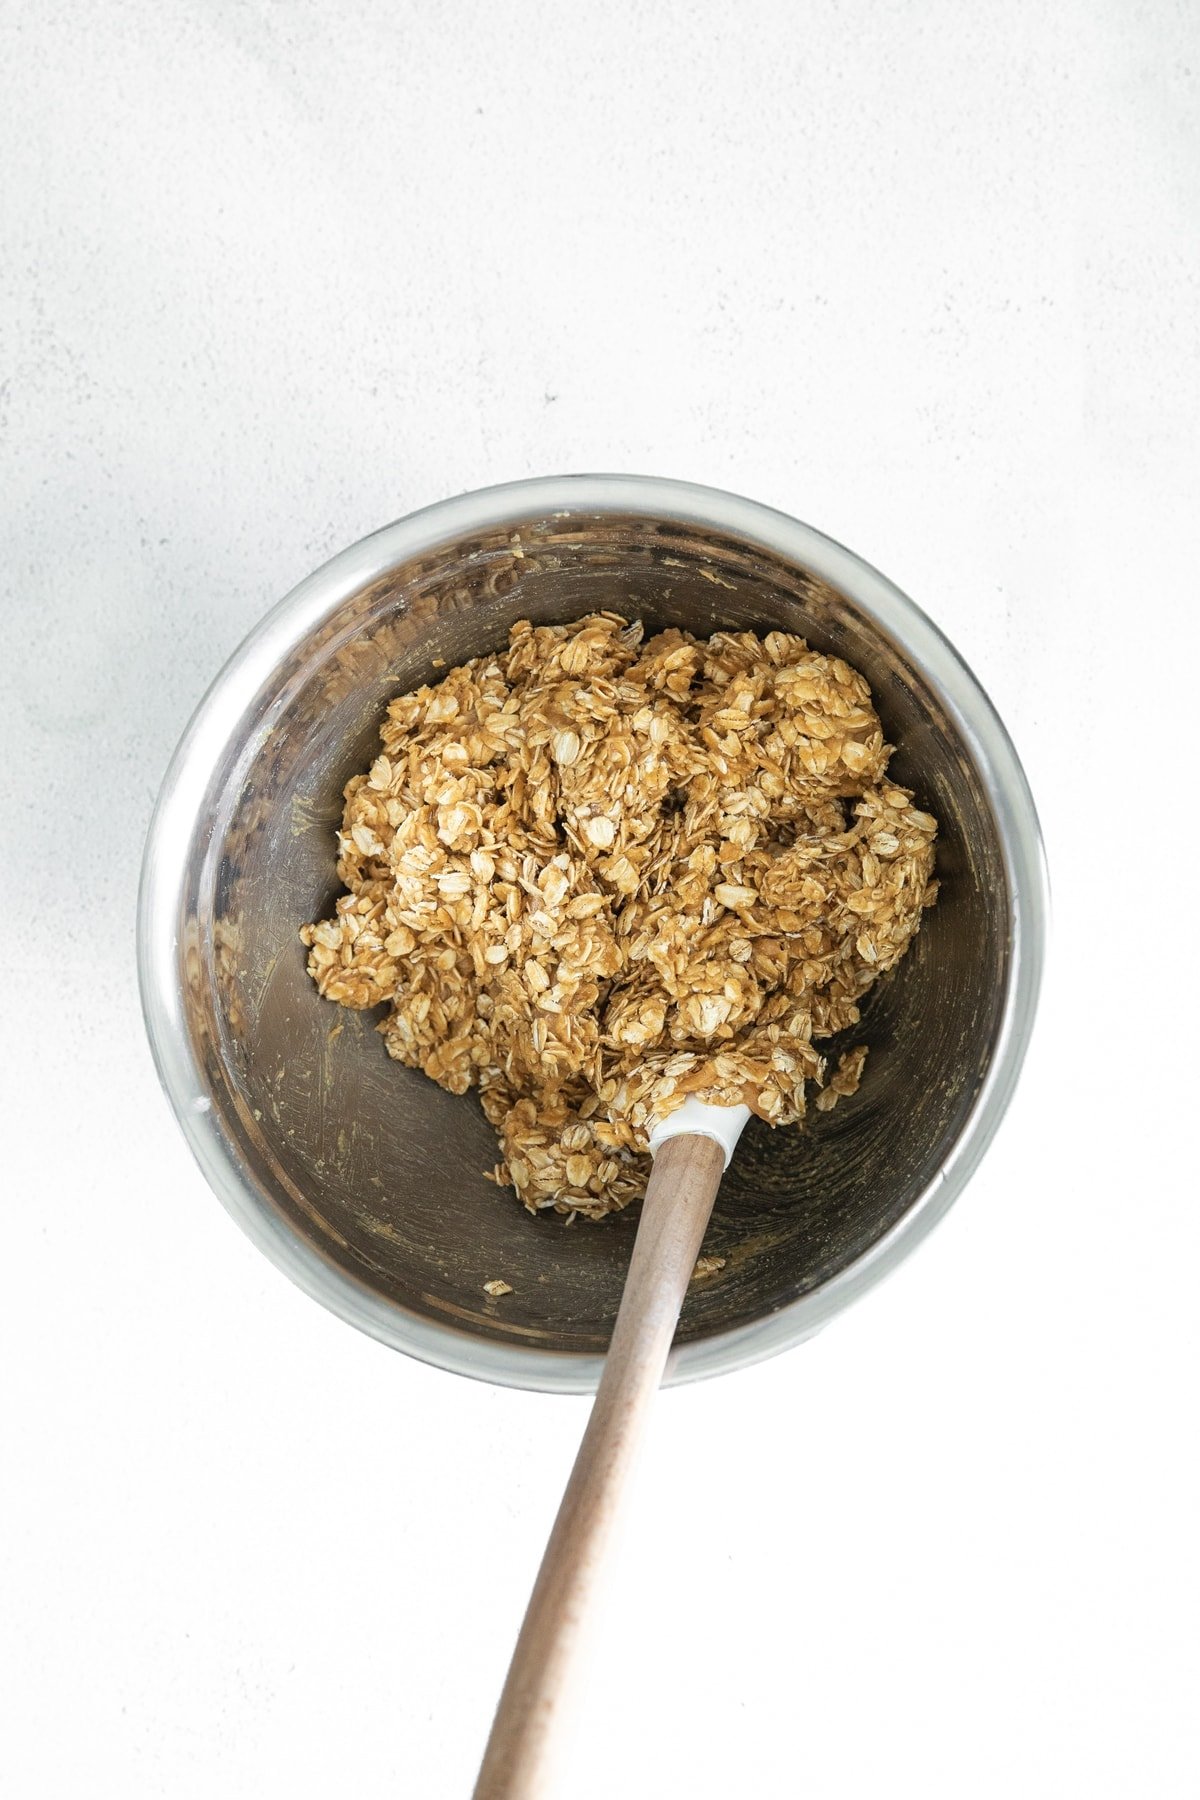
(691, 1150)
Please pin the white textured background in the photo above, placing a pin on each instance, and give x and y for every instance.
(926, 275)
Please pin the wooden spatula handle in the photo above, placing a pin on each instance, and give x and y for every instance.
(683, 1184)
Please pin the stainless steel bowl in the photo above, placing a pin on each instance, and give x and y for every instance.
(361, 1179)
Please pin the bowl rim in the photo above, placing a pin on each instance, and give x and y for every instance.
(266, 647)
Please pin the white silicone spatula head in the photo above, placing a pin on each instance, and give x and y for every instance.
(698, 1118)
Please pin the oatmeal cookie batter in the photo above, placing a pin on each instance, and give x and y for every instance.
(595, 874)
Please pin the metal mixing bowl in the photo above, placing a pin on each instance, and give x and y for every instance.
(361, 1179)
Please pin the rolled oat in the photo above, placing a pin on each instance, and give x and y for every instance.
(593, 875)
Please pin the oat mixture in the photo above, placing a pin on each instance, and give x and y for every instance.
(595, 874)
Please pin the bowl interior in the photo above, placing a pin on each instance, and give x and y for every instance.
(382, 1173)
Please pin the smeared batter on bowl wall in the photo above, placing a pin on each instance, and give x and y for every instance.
(593, 875)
